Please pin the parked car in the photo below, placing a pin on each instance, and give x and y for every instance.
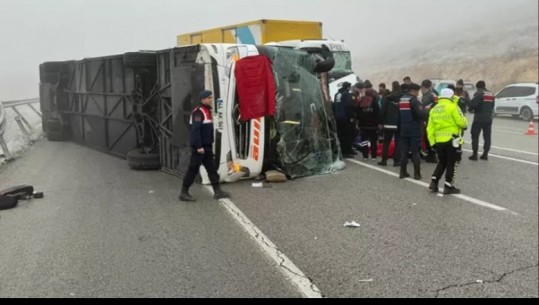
(470, 87)
(519, 100)
(441, 84)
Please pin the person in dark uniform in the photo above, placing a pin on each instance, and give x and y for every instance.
(368, 117)
(429, 100)
(407, 80)
(463, 94)
(410, 119)
(344, 109)
(202, 149)
(459, 100)
(482, 104)
(390, 124)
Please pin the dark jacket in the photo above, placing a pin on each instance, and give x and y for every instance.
(461, 103)
(202, 128)
(344, 106)
(411, 116)
(464, 99)
(390, 111)
(483, 104)
(429, 100)
(368, 111)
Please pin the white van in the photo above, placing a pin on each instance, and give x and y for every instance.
(519, 100)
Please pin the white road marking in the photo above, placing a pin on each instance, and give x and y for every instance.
(507, 158)
(515, 150)
(305, 286)
(426, 185)
(511, 132)
(509, 149)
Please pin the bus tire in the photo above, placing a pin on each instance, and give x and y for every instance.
(8, 202)
(138, 159)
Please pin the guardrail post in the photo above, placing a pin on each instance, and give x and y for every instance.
(23, 119)
(35, 110)
(21, 125)
(7, 154)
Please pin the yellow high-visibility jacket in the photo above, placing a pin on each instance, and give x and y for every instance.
(446, 121)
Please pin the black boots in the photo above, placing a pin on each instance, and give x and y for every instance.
(219, 193)
(450, 189)
(184, 196)
(383, 162)
(417, 172)
(484, 157)
(404, 173)
(434, 186)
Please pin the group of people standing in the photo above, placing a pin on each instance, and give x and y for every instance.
(432, 127)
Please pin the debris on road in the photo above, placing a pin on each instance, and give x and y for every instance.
(261, 185)
(366, 281)
(276, 177)
(9, 198)
(352, 224)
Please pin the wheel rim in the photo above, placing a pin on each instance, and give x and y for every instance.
(526, 114)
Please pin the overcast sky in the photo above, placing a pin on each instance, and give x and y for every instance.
(35, 31)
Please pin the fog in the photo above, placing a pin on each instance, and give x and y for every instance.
(36, 31)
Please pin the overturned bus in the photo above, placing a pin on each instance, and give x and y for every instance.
(272, 108)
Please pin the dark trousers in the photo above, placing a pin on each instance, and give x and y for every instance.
(388, 137)
(346, 131)
(369, 136)
(408, 145)
(477, 128)
(425, 140)
(449, 159)
(194, 167)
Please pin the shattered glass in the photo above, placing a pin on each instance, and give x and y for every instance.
(343, 63)
(305, 129)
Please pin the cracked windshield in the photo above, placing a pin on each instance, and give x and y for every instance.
(306, 145)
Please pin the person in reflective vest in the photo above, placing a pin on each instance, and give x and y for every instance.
(202, 149)
(482, 105)
(446, 122)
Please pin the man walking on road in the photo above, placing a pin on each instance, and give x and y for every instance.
(202, 149)
(446, 122)
(482, 104)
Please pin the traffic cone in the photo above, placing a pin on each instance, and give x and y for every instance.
(531, 130)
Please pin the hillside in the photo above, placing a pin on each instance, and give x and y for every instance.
(502, 54)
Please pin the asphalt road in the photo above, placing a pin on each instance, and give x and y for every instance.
(105, 231)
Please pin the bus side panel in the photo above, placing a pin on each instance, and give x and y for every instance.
(287, 30)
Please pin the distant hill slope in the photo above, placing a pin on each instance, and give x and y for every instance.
(502, 54)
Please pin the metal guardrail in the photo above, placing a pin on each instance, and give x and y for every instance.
(19, 118)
